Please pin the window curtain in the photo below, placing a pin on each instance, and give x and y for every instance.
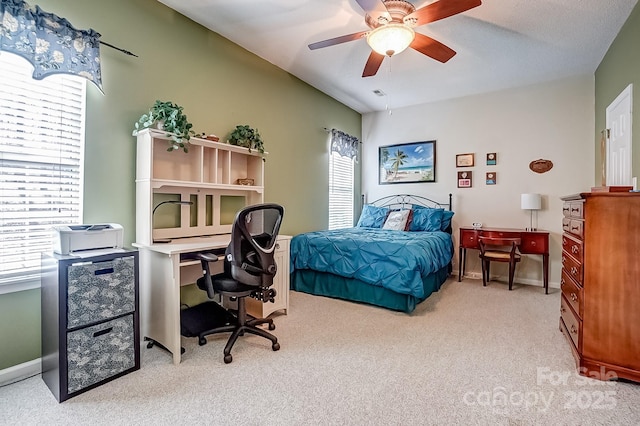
(344, 144)
(50, 43)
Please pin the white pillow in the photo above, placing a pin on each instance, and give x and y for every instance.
(397, 220)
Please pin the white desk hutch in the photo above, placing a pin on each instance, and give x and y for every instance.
(207, 178)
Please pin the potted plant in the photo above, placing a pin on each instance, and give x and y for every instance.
(169, 117)
(247, 137)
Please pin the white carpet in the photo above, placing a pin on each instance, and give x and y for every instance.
(467, 355)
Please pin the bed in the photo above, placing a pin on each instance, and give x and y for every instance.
(398, 254)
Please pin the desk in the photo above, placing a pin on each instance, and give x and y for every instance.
(166, 267)
(532, 242)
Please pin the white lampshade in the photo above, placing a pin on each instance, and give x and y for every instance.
(530, 202)
(390, 39)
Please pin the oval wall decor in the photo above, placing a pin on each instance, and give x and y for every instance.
(541, 166)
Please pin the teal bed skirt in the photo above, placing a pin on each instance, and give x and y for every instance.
(325, 284)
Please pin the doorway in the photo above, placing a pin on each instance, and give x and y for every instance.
(618, 152)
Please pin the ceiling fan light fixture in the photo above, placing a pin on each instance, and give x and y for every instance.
(390, 39)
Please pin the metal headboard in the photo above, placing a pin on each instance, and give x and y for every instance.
(402, 201)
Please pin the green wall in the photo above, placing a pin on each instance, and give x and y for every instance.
(619, 68)
(219, 85)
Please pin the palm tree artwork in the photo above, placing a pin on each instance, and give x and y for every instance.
(397, 161)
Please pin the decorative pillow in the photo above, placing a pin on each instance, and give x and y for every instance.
(372, 216)
(397, 220)
(446, 220)
(428, 220)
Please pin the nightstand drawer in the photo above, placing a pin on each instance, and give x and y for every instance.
(100, 290)
(469, 238)
(571, 321)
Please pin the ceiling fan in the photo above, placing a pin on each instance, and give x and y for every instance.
(392, 23)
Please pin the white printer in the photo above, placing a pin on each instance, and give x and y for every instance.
(73, 238)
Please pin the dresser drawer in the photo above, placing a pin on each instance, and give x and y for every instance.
(100, 352)
(572, 322)
(572, 267)
(573, 226)
(97, 291)
(573, 209)
(573, 293)
(573, 247)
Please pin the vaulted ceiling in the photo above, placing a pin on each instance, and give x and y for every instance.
(499, 44)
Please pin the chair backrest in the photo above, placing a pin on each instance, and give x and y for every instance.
(250, 255)
(499, 244)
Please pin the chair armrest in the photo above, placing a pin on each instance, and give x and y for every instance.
(209, 257)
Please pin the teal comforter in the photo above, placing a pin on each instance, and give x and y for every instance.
(396, 260)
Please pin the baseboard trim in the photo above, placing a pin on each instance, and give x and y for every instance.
(527, 281)
(20, 372)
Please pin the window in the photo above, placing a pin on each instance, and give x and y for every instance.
(341, 189)
(41, 157)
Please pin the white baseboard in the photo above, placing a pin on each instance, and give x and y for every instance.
(478, 276)
(20, 371)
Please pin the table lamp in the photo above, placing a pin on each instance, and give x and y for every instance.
(531, 202)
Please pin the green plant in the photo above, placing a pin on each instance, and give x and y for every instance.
(173, 121)
(247, 137)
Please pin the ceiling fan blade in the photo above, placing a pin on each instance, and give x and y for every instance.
(337, 40)
(374, 8)
(373, 64)
(440, 10)
(432, 48)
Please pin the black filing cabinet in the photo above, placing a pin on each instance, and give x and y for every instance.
(90, 323)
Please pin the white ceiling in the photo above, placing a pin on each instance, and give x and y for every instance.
(500, 44)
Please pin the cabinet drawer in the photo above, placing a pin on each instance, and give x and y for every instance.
(571, 321)
(572, 267)
(572, 246)
(573, 292)
(99, 352)
(99, 291)
(534, 243)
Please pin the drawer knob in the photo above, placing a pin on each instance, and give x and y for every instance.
(574, 270)
(574, 297)
(565, 209)
(574, 330)
(562, 310)
(533, 243)
(574, 228)
(561, 282)
(574, 249)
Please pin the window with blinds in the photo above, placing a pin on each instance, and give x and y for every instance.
(341, 186)
(41, 157)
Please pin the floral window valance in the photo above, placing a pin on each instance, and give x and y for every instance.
(50, 43)
(344, 144)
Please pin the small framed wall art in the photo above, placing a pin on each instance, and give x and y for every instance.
(492, 159)
(465, 179)
(491, 178)
(464, 160)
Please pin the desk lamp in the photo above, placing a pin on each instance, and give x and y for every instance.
(183, 203)
(531, 202)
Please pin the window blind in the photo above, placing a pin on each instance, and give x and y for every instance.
(41, 157)
(341, 186)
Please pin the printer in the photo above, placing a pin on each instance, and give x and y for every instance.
(68, 239)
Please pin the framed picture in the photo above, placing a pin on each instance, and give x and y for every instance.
(491, 178)
(465, 179)
(407, 163)
(492, 159)
(464, 160)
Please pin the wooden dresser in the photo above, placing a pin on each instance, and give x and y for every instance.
(600, 282)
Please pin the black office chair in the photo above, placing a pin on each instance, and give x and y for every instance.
(249, 268)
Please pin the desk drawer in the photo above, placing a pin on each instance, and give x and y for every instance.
(533, 243)
(572, 292)
(469, 238)
(571, 321)
(572, 268)
(573, 247)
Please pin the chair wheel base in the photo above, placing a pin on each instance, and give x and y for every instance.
(202, 341)
(275, 346)
(272, 326)
(228, 359)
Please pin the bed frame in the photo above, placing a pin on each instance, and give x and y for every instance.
(330, 285)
